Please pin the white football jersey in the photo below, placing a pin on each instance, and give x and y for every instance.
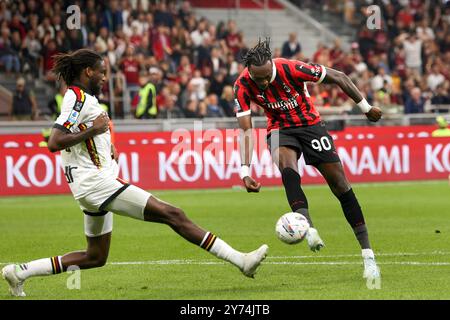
(88, 163)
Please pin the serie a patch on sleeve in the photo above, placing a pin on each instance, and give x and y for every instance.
(76, 110)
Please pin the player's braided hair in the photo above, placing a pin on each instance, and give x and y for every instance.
(259, 54)
(69, 65)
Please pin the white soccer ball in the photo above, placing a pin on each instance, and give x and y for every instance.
(291, 228)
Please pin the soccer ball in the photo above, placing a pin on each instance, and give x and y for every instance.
(291, 228)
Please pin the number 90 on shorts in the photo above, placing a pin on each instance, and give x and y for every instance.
(322, 144)
(314, 142)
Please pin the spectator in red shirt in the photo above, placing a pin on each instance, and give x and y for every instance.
(233, 38)
(337, 55)
(161, 43)
(130, 67)
(16, 25)
(405, 16)
(49, 51)
(186, 66)
(136, 37)
(320, 48)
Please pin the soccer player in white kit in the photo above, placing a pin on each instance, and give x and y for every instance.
(81, 133)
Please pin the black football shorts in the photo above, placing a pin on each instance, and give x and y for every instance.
(314, 142)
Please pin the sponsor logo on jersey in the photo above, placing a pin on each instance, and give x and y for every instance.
(285, 104)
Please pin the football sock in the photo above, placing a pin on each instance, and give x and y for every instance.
(41, 267)
(305, 212)
(355, 218)
(222, 250)
(363, 236)
(367, 253)
(295, 195)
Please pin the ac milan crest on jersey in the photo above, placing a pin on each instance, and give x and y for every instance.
(286, 88)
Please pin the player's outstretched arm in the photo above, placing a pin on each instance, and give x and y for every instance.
(62, 139)
(246, 148)
(346, 84)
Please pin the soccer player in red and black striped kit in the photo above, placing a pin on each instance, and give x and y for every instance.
(294, 127)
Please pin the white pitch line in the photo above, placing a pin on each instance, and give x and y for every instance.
(399, 254)
(415, 263)
(206, 262)
(200, 262)
(215, 262)
(418, 263)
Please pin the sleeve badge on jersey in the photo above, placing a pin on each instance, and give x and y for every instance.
(74, 116)
(317, 70)
(79, 102)
(72, 119)
(78, 106)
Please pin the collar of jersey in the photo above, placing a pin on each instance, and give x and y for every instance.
(82, 88)
(274, 72)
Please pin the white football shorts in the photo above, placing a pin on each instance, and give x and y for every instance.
(114, 196)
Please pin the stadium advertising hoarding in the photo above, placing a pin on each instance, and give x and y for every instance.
(210, 159)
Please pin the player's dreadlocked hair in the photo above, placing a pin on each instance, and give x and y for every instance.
(69, 65)
(259, 54)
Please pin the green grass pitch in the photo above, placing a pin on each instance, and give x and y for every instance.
(409, 226)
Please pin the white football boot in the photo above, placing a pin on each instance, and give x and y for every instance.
(371, 270)
(314, 241)
(253, 259)
(15, 284)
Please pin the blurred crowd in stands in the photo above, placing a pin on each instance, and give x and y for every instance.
(402, 66)
(166, 62)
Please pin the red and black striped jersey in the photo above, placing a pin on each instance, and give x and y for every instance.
(286, 101)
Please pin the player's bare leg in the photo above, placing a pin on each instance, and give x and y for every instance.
(162, 212)
(94, 256)
(335, 176)
(286, 159)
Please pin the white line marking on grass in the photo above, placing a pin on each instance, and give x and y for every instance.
(207, 262)
(164, 262)
(414, 263)
(210, 262)
(398, 254)
(215, 262)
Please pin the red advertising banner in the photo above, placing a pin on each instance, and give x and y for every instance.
(210, 159)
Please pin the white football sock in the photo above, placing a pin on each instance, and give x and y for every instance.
(367, 253)
(41, 267)
(222, 250)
